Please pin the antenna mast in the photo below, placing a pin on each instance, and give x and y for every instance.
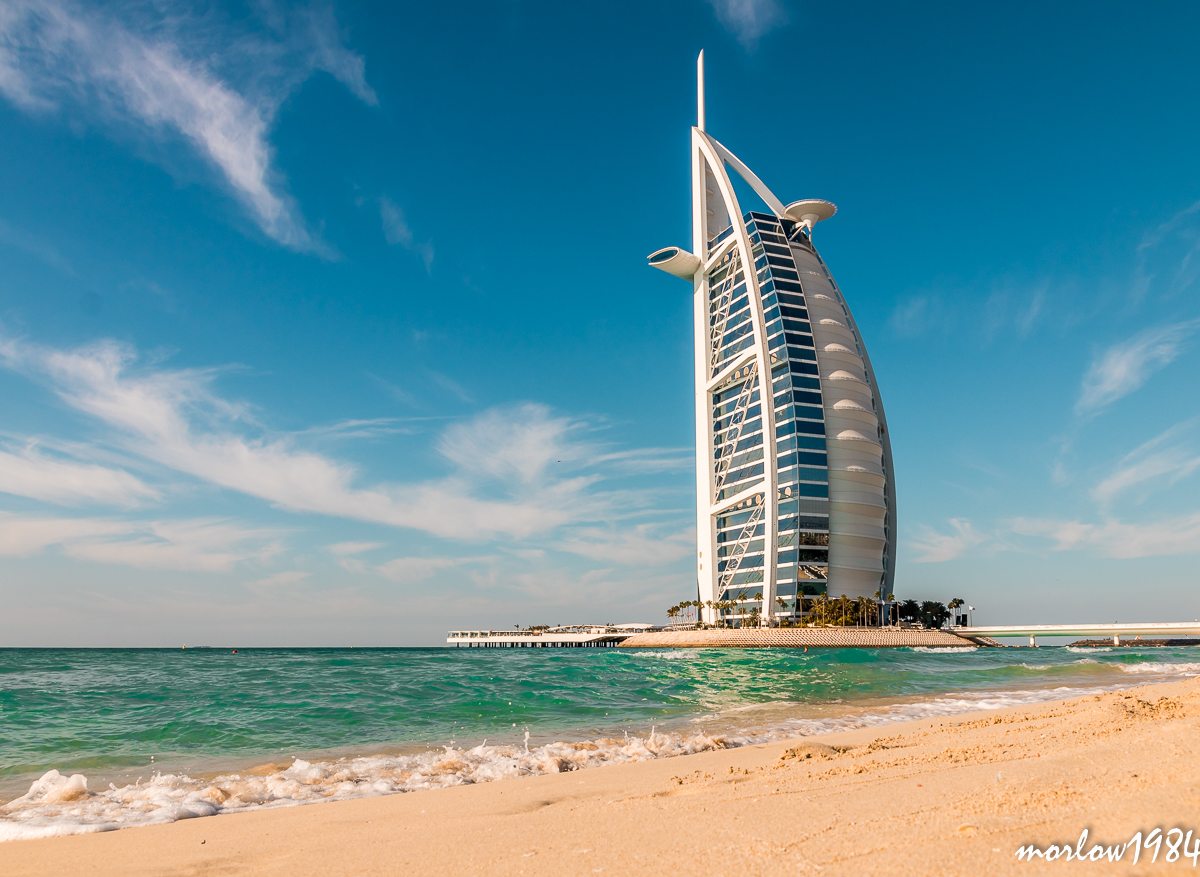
(700, 90)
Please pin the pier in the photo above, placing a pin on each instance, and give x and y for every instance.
(567, 637)
(1117, 632)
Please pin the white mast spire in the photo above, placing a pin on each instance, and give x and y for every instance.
(700, 90)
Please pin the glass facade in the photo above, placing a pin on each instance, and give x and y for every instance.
(802, 483)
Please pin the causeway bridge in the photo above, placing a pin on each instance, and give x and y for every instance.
(1118, 632)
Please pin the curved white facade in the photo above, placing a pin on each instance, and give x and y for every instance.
(795, 490)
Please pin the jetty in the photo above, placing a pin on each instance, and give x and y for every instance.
(572, 636)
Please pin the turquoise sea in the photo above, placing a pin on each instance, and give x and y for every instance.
(104, 738)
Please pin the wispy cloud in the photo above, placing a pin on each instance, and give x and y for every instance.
(201, 545)
(359, 428)
(488, 446)
(1127, 365)
(28, 472)
(1166, 459)
(449, 386)
(515, 471)
(749, 20)
(24, 536)
(22, 239)
(192, 78)
(644, 545)
(346, 549)
(932, 546)
(349, 555)
(1015, 308)
(1117, 539)
(1175, 246)
(416, 570)
(192, 545)
(280, 579)
(396, 231)
(913, 317)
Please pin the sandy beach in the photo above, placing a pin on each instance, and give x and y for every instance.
(944, 796)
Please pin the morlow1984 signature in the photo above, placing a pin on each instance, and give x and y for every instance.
(1167, 845)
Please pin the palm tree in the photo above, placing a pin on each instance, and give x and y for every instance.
(953, 607)
(867, 607)
(843, 610)
(820, 609)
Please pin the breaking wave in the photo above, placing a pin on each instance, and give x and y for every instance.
(944, 650)
(1162, 668)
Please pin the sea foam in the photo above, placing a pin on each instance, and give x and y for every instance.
(945, 650)
(56, 804)
(1162, 668)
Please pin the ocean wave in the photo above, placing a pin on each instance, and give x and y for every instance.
(1162, 668)
(1087, 650)
(945, 650)
(58, 805)
(1064, 666)
(936, 707)
(665, 655)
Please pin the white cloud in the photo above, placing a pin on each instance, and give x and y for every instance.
(516, 471)
(396, 231)
(646, 460)
(358, 428)
(348, 555)
(193, 545)
(204, 545)
(185, 77)
(1163, 458)
(1026, 318)
(643, 545)
(414, 570)
(522, 443)
(1127, 365)
(913, 317)
(936, 547)
(27, 472)
(25, 536)
(1174, 244)
(346, 549)
(25, 241)
(280, 579)
(749, 20)
(1117, 539)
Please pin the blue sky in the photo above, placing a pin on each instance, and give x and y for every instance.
(331, 324)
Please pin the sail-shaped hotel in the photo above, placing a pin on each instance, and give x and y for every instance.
(795, 489)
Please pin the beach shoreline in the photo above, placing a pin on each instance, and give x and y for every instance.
(958, 794)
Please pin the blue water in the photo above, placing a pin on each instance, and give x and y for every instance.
(119, 715)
